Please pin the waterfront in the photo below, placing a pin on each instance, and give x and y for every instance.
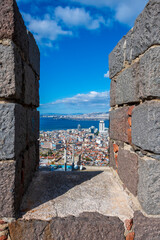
(79, 146)
(50, 124)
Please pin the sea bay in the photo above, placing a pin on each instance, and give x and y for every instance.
(50, 124)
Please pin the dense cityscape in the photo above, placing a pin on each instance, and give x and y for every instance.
(74, 148)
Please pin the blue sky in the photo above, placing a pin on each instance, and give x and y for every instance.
(75, 38)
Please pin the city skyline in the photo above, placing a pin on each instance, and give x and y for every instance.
(75, 38)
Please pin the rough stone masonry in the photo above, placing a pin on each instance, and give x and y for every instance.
(135, 112)
(134, 131)
(19, 98)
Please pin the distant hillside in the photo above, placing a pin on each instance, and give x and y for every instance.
(79, 116)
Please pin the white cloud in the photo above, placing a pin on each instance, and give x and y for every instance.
(97, 3)
(106, 75)
(90, 102)
(64, 21)
(50, 27)
(126, 11)
(46, 29)
(78, 17)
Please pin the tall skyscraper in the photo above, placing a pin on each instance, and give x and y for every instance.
(101, 127)
(79, 127)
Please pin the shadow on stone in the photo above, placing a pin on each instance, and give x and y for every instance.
(47, 186)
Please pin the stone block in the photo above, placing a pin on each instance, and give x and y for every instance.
(149, 74)
(12, 130)
(113, 93)
(129, 50)
(24, 230)
(86, 226)
(146, 126)
(146, 228)
(146, 29)
(128, 169)
(127, 86)
(33, 125)
(12, 25)
(121, 54)
(119, 124)
(116, 58)
(31, 87)
(143, 35)
(149, 185)
(34, 54)
(14, 181)
(140, 81)
(20, 129)
(11, 71)
(7, 181)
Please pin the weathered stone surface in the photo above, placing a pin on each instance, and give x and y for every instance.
(88, 226)
(20, 129)
(149, 74)
(7, 181)
(82, 227)
(146, 228)
(113, 93)
(140, 81)
(27, 229)
(12, 25)
(34, 54)
(7, 131)
(12, 130)
(30, 164)
(53, 194)
(33, 125)
(19, 124)
(11, 72)
(129, 50)
(146, 33)
(127, 86)
(149, 185)
(117, 58)
(146, 29)
(31, 87)
(146, 126)
(119, 124)
(128, 169)
(11, 77)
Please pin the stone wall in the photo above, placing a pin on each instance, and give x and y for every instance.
(19, 98)
(135, 109)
